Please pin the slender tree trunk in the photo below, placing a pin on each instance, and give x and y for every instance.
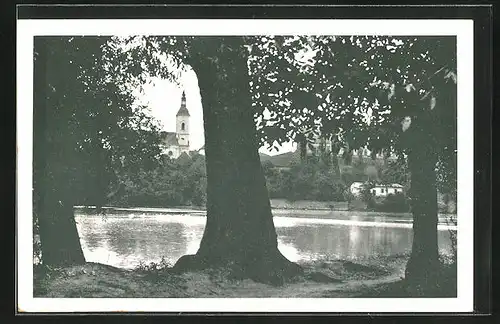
(423, 264)
(348, 157)
(59, 239)
(239, 232)
(335, 159)
(302, 147)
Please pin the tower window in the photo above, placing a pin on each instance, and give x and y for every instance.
(183, 126)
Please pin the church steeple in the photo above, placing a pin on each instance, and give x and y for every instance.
(182, 125)
(183, 110)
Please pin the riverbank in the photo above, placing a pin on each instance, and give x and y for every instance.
(275, 204)
(279, 206)
(375, 277)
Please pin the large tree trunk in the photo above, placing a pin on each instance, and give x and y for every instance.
(59, 239)
(58, 234)
(423, 264)
(239, 232)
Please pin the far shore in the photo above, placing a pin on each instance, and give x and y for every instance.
(277, 212)
(275, 204)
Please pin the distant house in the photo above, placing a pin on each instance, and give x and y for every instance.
(384, 190)
(356, 188)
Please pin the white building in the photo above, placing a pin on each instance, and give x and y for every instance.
(356, 188)
(385, 190)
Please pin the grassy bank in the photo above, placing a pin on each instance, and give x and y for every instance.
(376, 277)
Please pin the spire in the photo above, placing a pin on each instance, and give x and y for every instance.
(183, 110)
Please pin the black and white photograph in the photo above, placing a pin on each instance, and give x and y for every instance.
(245, 165)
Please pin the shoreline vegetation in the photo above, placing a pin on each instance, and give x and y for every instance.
(313, 184)
(278, 205)
(372, 277)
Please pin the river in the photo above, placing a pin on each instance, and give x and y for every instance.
(125, 237)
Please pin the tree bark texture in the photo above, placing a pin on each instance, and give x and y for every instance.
(59, 238)
(239, 231)
(423, 265)
(58, 234)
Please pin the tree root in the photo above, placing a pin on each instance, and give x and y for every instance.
(274, 270)
(425, 275)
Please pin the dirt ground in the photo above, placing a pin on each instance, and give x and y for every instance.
(378, 277)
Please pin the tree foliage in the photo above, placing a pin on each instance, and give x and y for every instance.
(353, 90)
(394, 172)
(86, 127)
(90, 121)
(180, 182)
(396, 93)
(356, 89)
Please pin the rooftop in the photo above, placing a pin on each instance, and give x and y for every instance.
(183, 110)
(169, 138)
(391, 185)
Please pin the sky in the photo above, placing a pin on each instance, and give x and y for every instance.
(163, 98)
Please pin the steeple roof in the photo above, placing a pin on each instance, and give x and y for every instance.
(183, 110)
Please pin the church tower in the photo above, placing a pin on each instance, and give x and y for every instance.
(182, 125)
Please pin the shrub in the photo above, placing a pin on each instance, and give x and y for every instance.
(173, 183)
(153, 267)
(393, 203)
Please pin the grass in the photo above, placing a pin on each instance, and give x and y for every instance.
(376, 277)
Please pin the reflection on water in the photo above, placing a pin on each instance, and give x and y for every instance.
(126, 238)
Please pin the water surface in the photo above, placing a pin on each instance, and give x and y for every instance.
(126, 237)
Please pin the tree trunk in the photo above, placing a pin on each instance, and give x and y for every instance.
(58, 234)
(239, 232)
(335, 159)
(423, 265)
(302, 141)
(59, 239)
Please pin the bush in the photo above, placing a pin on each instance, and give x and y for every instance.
(174, 183)
(393, 203)
(348, 196)
(153, 266)
(308, 181)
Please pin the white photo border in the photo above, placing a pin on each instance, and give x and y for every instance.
(462, 29)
